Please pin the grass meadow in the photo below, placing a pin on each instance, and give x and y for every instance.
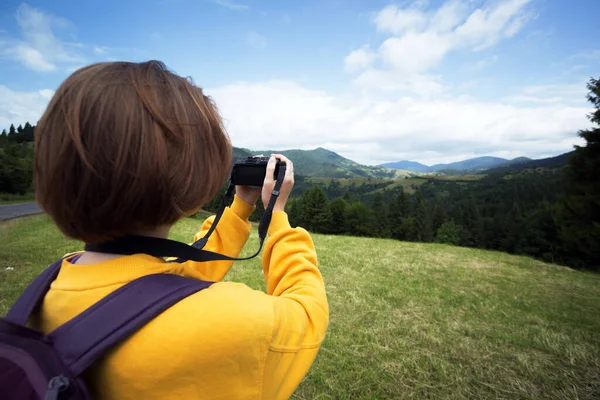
(410, 320)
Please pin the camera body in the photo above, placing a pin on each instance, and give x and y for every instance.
(251, 171)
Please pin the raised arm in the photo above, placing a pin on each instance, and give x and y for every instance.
(301, 311)
(297, 291)
(229, 238)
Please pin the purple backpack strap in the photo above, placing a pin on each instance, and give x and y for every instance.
(85, 338)
(33, 295)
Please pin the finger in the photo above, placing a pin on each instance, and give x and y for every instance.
(270, 171)
(281, 157)
(287, 161)
(289, 171)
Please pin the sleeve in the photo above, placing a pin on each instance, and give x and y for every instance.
(228, 238)
(301, 311)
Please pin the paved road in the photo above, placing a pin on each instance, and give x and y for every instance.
(10, 211)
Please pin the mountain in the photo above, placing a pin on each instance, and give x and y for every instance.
(474, 164)
(408, 166)
(241, 153)
(550, 162)
(470, 165)
(323, 163)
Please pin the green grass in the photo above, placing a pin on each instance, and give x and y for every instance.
(408, 184)
(8, 198)
(411, 320)
(466, 178)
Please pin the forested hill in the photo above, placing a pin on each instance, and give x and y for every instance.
(323, 163)
(550, 162)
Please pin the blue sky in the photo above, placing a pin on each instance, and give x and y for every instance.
(376, 81)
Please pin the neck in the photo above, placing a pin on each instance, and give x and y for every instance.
(91, 257)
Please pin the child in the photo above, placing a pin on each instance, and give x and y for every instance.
(131, 148)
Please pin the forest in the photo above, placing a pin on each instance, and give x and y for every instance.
(548, 212)
(16, 160)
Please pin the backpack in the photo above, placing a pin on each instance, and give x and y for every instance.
(38, 366)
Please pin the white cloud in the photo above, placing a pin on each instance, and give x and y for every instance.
(485, 27)
(588, 55)
(256, 40)
(420, 39)
(32, 58)
(449, 15)
(483, 63)
(19, 107)
(575, 68)
(414, 52)
(545, 94)
(535, 99)
(74, 68)
(284, 115)
(392, 19)
(232, 5)
(99, 50)
(38, 48)
(359, 59)
(566, 90)
(389, 81)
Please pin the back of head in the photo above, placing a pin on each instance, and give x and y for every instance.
(124, 147)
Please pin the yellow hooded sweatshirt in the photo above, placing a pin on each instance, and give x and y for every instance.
(224, 342)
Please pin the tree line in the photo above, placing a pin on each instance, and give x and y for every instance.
(16, 159)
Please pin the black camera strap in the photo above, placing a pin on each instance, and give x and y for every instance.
(159, 247)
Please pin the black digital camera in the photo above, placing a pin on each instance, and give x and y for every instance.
(251, 171)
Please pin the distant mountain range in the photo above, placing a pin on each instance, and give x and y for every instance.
(550, 162)
(470, 165)
(323, 163)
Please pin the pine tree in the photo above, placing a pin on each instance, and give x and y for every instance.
(347, 196)
(3, 138)
(539, 234)
(471, 224)
(337, 214)
(422, 218)
(12, 134)
(409, 229)
(578, 214)
(398, 210)
(380, 218)
(315, 210)
(334, 188)
(293, 210)
(28, 132)
(358, 218)
(439, 215)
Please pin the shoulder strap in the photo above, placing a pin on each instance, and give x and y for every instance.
(33, 295)
(88, 336)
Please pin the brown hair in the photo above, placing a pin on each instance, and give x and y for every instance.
(124, 147)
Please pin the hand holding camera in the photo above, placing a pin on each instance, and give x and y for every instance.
(252, 173)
